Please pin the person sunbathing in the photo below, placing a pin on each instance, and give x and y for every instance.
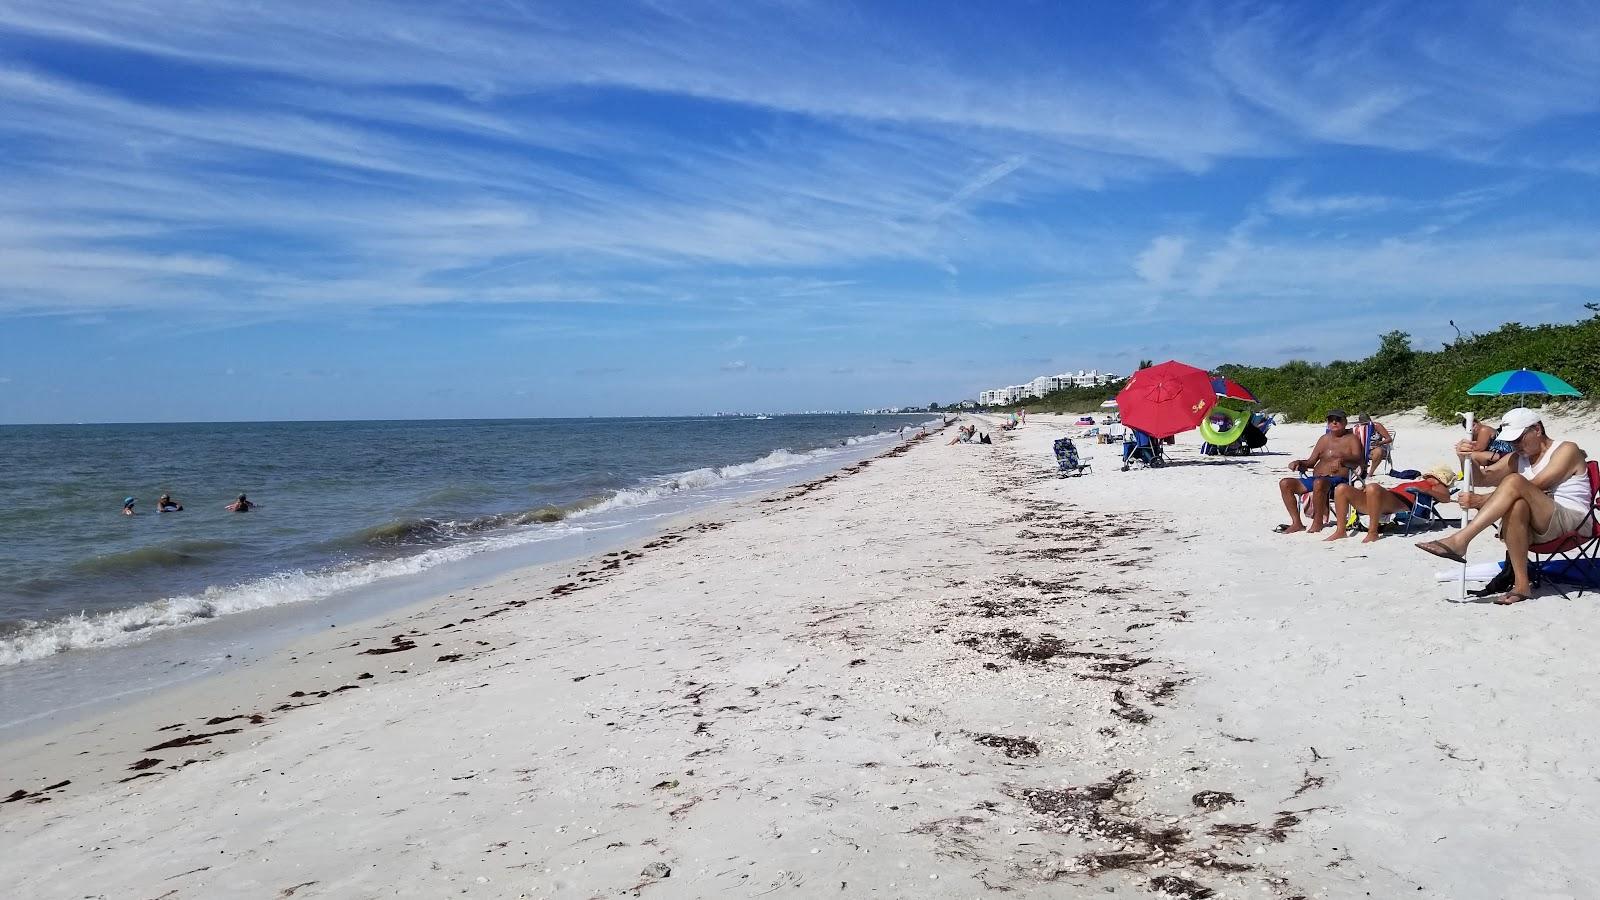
(1541, 492)
(1376, 501)
(1330, 462)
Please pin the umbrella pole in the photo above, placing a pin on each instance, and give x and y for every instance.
(1466, 514)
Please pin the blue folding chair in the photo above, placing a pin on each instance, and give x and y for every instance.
(1067, 459)
(1423, 514)
(1142, 449)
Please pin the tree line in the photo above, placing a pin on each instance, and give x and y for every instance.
(1400, 377)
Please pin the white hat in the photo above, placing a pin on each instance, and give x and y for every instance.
(1516, 422)
(1444, 474)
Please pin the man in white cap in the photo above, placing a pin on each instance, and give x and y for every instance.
(1541, 492)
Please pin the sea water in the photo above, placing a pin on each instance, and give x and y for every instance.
(342, 505)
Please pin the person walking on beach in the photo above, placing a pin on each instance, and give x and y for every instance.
(243, 504)
(1330, 462)
(1541, 492)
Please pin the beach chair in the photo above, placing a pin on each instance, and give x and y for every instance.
(1423, 514)
(1573, 558)
(1367, 434)
(1308, 499)
(1142, 450)
(1067, 459)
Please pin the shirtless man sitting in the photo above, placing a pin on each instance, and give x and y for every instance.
(1330, 462)
(1541, 492)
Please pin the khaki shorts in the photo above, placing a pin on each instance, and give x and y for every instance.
(1563, 521)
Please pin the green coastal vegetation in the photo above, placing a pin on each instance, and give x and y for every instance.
(1399, 376)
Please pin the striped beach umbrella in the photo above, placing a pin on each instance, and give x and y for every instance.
(1227, 387)
(1522, 381)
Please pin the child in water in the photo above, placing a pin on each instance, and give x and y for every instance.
(127, 507)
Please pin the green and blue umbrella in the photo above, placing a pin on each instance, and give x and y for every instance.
(1522, 381)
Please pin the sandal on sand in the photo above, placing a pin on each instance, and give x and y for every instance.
(1440, 550)
(1510, 597)
(1283, 529)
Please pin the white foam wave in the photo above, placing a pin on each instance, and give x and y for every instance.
(701, 479)
(125, 626)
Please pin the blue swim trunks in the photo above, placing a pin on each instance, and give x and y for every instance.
(1310, 481)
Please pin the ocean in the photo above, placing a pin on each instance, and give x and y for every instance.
(341, 505)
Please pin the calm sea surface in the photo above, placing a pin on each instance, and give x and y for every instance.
(341, 504)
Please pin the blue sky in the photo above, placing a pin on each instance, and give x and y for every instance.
(214, 210)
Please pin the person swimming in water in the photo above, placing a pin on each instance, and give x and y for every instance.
(127, 506)
(243, 504)
(167, 504)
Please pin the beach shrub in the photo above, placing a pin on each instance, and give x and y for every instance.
(1398, 376)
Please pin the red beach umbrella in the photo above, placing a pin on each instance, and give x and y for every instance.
(1166, 399)
(1227, 387)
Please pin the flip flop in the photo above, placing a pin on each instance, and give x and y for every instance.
(1281, 529)
(1510, 597)
(1440, 550)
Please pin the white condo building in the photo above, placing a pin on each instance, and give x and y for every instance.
(1044, 384)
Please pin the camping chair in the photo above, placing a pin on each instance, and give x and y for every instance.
(1067, 458)
(1367, 434)
(1576, 555)
(1143, 449)
(1424, 513)
(1308, 499)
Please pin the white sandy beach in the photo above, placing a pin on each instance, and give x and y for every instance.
(944, 674)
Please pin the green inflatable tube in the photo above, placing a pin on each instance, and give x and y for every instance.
(1236, 415)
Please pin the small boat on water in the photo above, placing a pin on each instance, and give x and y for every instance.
(760, 418)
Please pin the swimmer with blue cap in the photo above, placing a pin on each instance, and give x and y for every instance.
(127, 507)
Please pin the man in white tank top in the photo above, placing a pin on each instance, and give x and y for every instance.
(1541, 492)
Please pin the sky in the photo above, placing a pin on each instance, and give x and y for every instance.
(216, 210)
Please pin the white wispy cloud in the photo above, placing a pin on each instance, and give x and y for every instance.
(369, 154)
(1159, 260)
(1287, 199)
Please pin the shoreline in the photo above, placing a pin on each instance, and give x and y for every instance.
(28, 756)
(942, 674)
(68, 684)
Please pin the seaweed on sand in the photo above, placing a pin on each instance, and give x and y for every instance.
(1013, 747)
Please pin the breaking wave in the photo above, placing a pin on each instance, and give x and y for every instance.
(36, 640)
(450, 540)
(175, 553)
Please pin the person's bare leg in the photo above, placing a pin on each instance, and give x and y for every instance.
(1319, 505)
(1344, 497)
(1291, 489)
(1341, 511)
(1374, 511)
(1517, 532)
(1512, 489)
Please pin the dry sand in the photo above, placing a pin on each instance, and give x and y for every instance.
(944, 674)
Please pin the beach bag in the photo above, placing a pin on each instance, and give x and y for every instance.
(1502, 582)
